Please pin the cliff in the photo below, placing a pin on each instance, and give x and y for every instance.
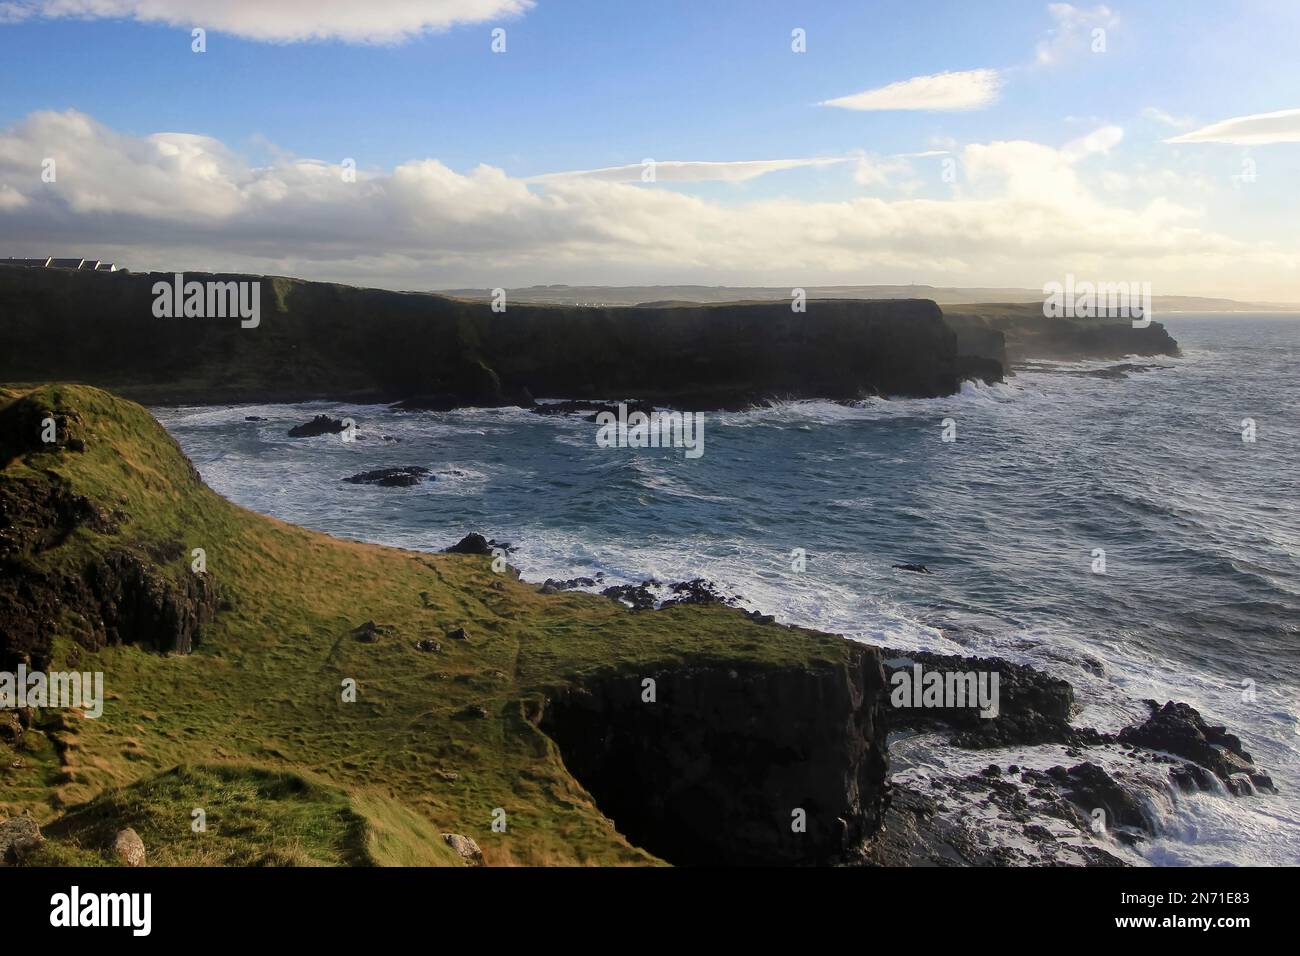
(316, 340)
(1012, 333)
(481, 706)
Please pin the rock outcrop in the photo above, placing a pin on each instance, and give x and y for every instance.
(1031, 707)
(732, 763)
(120, 591)
(19, 838)
(1178, 728)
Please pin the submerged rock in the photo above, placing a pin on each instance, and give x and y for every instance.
(392, 477)
(591, 409)
(320, 425)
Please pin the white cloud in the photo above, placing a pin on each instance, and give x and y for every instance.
(690, 172)
(1021, 214)
(1168, 119)
(281, 21)
(1101, 140)
(1074, 31)
(882, 170)
(968, 90)
(1259, 129)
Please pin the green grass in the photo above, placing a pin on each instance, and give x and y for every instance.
(382, 776)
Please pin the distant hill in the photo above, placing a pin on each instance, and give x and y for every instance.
(677, 295)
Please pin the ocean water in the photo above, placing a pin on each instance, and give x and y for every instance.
(1143, 458)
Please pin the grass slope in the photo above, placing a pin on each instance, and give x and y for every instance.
(252, 726)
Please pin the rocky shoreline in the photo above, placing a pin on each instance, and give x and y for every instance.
(1085, 803)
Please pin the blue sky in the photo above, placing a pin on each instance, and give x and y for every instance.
(587, 85)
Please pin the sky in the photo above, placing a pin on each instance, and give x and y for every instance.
(422, 144)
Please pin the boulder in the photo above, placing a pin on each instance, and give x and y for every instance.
(128, 847)
(370, 632)
(19, 837)
(467, 849)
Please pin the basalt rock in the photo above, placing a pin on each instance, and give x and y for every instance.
(320, 425)
(391, 477)
(730, 756)
(1031, 707)
(556, 585)
(472, 543)
(1090, 788)
(638, 597)
(1178, 728)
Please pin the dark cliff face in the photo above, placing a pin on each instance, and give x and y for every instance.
(719, 768)
(1019, 332)
(317, 340)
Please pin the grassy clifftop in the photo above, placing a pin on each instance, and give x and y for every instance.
(97, 539)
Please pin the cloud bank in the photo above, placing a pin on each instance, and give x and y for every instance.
(1021, 213)
(652, 170)
(281, 21)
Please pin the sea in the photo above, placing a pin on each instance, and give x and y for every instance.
(1131, 525)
